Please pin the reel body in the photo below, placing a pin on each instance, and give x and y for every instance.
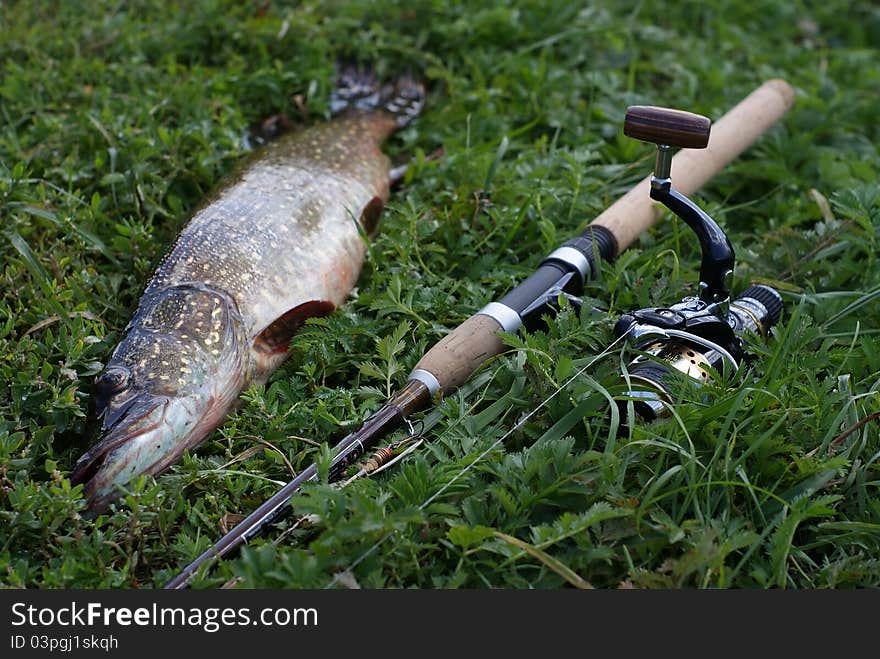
(690, 339)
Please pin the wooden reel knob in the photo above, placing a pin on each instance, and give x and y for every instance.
(666, 126)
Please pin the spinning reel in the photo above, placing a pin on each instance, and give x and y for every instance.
(702, 333)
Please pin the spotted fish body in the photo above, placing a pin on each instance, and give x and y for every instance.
(278, 243)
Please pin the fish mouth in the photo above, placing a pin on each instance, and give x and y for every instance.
(133, 445)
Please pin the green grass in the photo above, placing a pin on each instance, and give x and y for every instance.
(117, 119)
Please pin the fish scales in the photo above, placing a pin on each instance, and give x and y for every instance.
(284, 232)
(278, 242)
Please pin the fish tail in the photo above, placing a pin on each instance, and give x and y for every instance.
(358, 88)
(405, 99)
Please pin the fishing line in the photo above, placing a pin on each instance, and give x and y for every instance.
(605, 352)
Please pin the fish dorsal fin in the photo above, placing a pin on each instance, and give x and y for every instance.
(371, 214)
(275, 338)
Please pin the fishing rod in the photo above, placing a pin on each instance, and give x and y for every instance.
(451, 361)
(681, 343)
(700, 334)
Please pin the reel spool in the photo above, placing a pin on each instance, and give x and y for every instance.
(701, 334)
(690, 340)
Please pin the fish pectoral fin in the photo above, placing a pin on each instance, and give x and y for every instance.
(371, 214)
(275, 338)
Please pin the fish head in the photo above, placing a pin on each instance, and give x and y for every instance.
(167, 385)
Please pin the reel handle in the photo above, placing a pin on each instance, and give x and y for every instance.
(665, 126)
(668, 128)
(738, 129)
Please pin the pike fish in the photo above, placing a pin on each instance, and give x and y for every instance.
(277, 243)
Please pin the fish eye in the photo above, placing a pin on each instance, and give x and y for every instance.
(114, 380)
